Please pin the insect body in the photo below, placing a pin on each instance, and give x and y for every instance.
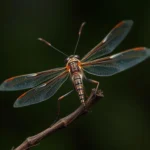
(46, 83)
(76, 75)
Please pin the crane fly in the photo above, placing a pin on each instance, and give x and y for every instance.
(46, 83)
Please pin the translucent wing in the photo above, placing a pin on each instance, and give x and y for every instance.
(110, 42)
(41, 92)
(116, 63)
(29, 80)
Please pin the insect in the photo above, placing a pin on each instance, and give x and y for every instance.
(46, 83)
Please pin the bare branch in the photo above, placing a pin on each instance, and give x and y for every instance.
(62, 123)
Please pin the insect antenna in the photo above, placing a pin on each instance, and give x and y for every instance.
(49, 44)
(79, 34)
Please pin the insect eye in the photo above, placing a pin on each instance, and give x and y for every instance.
(66, 60)
(76, 56)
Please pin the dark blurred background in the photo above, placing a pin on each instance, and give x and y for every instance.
(121, 121)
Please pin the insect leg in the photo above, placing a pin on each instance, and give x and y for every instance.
(59, 99)
(93, 81)
(58, 105)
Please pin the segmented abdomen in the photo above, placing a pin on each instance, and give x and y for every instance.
(77, 80)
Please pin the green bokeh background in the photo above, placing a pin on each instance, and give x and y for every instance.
(121, 121)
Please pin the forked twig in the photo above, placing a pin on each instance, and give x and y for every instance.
(62, 123)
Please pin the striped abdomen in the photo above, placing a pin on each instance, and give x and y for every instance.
(78, 84)
(76, 76)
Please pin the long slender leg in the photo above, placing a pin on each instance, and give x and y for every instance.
(58, 104)
(95, 82)
(60, 98)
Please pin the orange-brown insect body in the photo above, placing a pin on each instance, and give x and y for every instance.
(76, 75)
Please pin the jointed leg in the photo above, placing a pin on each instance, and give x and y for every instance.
(61, 97)
(58, 102)
(95, 82)
(58, 105)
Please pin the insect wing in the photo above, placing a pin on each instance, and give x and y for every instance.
(29, 80)
(41, 92)
(116, 63)
(110, 42)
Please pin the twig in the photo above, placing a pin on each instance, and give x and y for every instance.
(62, 123)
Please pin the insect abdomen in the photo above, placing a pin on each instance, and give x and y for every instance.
(77, 80)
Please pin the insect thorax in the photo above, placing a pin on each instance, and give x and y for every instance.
(73, 64)
(74, 67)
